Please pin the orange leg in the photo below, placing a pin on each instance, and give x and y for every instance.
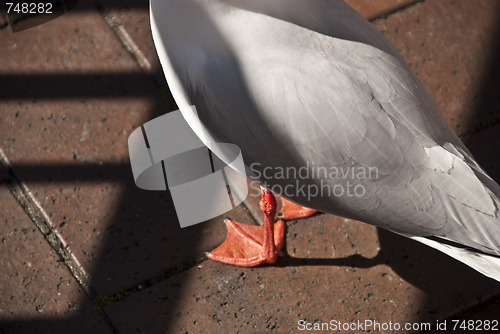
(290, 210)
(248, 245)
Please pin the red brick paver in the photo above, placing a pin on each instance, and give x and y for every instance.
(36, 288)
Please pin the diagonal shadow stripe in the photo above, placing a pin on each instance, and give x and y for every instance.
(67, 172)
(49, 86)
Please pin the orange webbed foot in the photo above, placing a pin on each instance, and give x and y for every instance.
(244, 245)
(248, 245)
(290, 210)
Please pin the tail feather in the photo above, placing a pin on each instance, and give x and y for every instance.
(486, 264)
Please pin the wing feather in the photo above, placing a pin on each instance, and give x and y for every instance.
(292, 86)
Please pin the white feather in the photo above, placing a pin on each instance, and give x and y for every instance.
(295, 83)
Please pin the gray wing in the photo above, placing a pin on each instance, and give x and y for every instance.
(326, 96)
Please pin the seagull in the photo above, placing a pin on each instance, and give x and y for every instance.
(329, 115)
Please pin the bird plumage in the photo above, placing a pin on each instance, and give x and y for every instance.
(312, 83)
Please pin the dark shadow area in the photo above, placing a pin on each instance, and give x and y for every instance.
(84, 172)
(355, 261)
(426, 268)
(78, 324)
(72, 86)
(487, 105)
